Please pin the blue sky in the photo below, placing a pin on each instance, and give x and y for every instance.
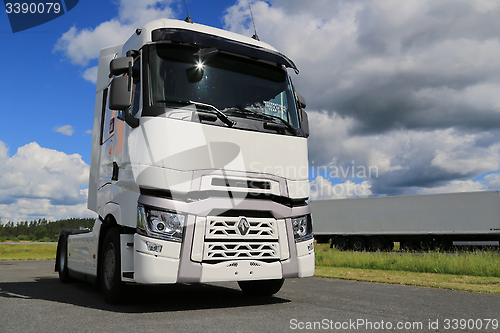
(408, 89)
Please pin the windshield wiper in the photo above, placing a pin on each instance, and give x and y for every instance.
(268, 117)
(219, 113)
(175, 101)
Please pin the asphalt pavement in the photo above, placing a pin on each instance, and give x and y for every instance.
(33, 300)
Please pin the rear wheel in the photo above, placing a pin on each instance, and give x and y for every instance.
(111, 283)
(377, 244)
(340, 243)
(62, 257)
(407, 246)
(443, 244)
(261, 287)
(424, 245)
(357, 244)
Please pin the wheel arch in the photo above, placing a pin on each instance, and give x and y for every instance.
(64, 234)
(109, 222)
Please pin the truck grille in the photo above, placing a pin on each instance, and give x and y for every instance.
(227, 228)
(226, 239)
(231, 251)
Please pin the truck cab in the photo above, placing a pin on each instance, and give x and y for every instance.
(199, 169)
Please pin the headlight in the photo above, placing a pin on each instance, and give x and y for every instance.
(160, 224)
(302, 228)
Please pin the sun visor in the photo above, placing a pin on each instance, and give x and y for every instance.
(222, 44)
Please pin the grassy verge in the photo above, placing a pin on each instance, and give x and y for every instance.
(27, 251)
(480, 263)
(433, 280)
(466, 271)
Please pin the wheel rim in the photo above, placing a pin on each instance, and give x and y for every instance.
(408, 246)
(424, 245)
(358, 245)
(109, 266)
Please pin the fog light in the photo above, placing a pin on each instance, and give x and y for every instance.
(154, 247)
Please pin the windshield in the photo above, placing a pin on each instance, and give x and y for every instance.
(234, 85)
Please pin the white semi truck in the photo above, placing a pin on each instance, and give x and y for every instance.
(415, 221)
(199, 169)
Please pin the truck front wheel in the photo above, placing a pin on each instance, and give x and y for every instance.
(111, 282)
(62, 257)
(261, 287)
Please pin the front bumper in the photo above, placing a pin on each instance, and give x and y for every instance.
(170, 266)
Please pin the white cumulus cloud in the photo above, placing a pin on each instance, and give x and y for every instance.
(82, 45)
(65, 129)
(90, 74)
(38, 182)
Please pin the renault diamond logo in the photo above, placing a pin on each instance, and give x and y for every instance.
(243, 226)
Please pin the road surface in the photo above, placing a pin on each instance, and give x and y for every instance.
(33, 300)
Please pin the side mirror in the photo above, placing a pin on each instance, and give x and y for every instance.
(120, 93)
(302, 101)
(304, 122)
(120, 66)
(120, 98)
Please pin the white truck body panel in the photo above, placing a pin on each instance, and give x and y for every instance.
(438, 214)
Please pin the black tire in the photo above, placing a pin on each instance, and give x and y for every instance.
(357, 244)
(443, 244)
(377, 244)
(424, 245)
(111, 283)
(62, 258)
(407, 246)
(340, 243)
(261, 287)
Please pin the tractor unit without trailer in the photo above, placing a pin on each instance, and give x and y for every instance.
(417, 222)
(198, 167)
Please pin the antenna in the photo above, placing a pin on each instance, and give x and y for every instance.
(255, 36)
(188, 18)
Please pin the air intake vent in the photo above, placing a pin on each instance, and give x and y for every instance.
(231, 251)
(252, 184)
(227, 228)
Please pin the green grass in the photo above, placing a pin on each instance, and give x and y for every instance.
(27, 251)
(467, 271)
(432, 280)
(479, 263)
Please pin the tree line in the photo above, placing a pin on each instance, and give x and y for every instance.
(41, 230)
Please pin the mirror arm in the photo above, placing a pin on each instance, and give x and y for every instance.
(131, 120)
